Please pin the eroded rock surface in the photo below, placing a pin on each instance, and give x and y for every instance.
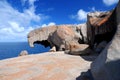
(53, 49)
(62, 35)
(46, 66)
(59, 36)
(78, 49)
(106, 66)
(41, 35)
(100, 27)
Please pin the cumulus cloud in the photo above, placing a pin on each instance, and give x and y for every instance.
(15, 25)
(81, 15)
(12, 34)
(110, 2)
(50, 24)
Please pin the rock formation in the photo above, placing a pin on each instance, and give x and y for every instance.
(82, 29)
(59, 36)
(23, 53)
(98, 48)
(53, 49)
(106, 66)
(100, 27)
(78, 49)
(100, 33)
(41, 35)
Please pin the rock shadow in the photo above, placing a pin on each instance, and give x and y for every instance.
(85, 76)
(89, 57)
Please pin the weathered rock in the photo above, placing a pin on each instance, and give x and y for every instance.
(106, 66)
(45, 66)
(82, 29)
(54, 36)
(23, 53)
(100, 46)
(100, 27)
(63, 35)
(53, 49)
(41, 35)
(78, 49)
(59, 36)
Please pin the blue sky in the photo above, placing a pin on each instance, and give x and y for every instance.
(19, 17)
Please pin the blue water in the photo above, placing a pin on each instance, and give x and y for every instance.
(13, 49)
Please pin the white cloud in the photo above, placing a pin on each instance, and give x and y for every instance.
(31, 2)
(15, 25)
(50, 24)
(7, 34)
(81, 15)
(110, 2)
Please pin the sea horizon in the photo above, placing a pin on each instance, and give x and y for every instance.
(13, 49)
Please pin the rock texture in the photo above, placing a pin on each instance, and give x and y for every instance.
(100, 46)
(78, 49)
(23, 53)
(106, 66)
(53, 49)
(63, 35)
(59, 36)
(45, 66)
(82, 29)
(41, 35)
(100, 27)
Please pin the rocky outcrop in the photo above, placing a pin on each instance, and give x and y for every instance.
(62, 35)
(53, 49)
(101, 33)
(100, 27)
(23, 53)
(98, 48)
(59, 36)
(78, 49)
(106, 66)
(45, 66)
(41, 35)
(82, 29)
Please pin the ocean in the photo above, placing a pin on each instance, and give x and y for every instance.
(13, 49)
